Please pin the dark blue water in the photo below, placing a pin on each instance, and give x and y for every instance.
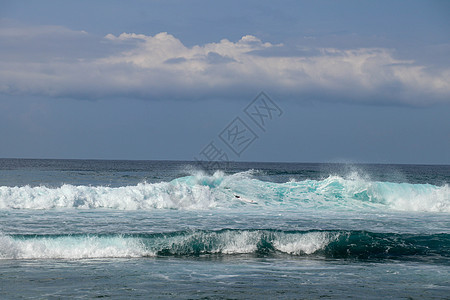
(130, 229)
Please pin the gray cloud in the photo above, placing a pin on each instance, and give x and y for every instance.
(216, 58)
(57, 62)
(175, 60)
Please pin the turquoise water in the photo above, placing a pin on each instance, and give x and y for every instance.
(74, 228)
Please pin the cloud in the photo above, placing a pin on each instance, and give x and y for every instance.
(58, 62)
(175, 60)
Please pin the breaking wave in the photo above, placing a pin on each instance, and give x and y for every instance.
(330, 244)
(219, 190)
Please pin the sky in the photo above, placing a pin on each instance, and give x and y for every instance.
(342, 81)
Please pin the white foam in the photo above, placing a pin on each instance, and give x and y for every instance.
(307, 243)
(352, 193)
(141, 196)
(239, 242)
(417, 197)
(67, 247)
(397, 196)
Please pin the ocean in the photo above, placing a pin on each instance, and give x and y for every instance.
(170, 229)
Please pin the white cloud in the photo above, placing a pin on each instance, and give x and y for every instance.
(161, 66)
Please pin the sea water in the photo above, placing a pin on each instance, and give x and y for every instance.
(162, 229)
